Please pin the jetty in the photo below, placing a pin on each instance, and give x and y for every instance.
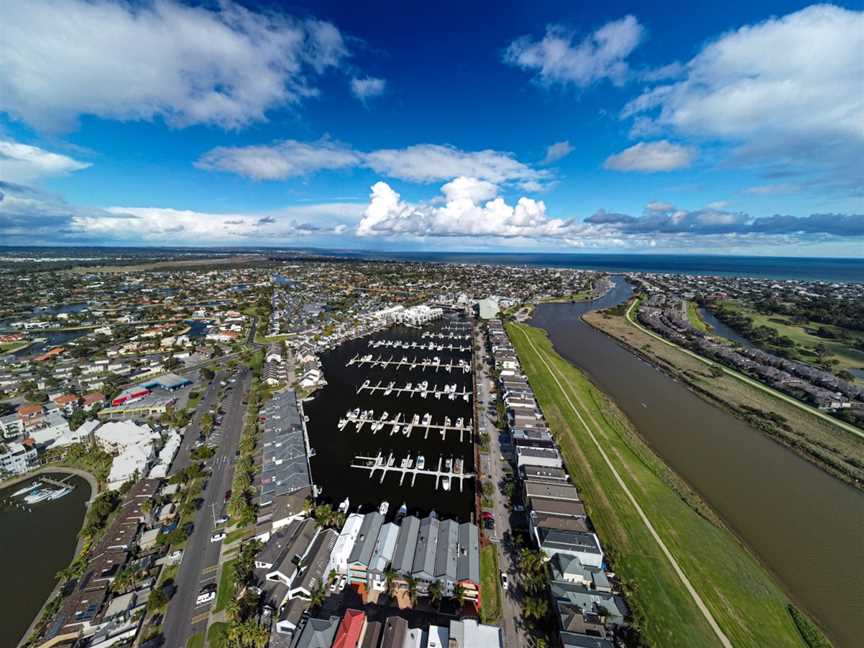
(446, 474)
(400, 423)
(424, 364)
(445, 336)
(420, 346)
(421, 389)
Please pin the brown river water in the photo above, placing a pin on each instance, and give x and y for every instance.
(806, 526)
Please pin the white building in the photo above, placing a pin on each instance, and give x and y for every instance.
(133, 446)
(16, 458)
(344, 544)
(166, 456)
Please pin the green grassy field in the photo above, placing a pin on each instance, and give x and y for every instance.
(490, 611)
(196, 641)
(695, 318)
(226, 586)
(747, 604)
(217, 635)
(846, 356)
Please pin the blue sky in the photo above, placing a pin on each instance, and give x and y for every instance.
(682, 127)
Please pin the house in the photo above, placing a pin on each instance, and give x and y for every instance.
(382, 554)
(313, 567)
(406, 546)
(423, 570)
(395, 632)
(361, 553)
(293, 552)
(345, 543)
(67, 403)
(16, 458)
(446, 555)
(468, 562)
(318, 633)
(92, 400)
(467, 633)
(350, 629)
(584, 546)
(438, 637)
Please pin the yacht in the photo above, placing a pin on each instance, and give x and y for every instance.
(402, 512)
(343, 507)
(384, 507)
(342, 423)
(459, 422)
(445, 483)
(27, 489)
(384, 416)
(421, 462)
(427, 419)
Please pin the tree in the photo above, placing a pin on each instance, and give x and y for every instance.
(206, 373)
(534, 607)
(412, 589)
(459, 593)
(158, 599)
(318, 595)
(435, 592)
(77, 419)
(390, 578)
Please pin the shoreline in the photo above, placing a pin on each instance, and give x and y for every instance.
(94, 492)
(678, 373)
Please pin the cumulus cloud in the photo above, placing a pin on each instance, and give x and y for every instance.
(651, 157)
(418, 163)
(22, 163)
(367, 88)
(557, 151)
(61, 59)
(467, 211)
(557, 58)
(784, 94)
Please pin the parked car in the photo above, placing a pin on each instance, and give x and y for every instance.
(217, 537)
(222, 520)
(505, 583)
(207, 594)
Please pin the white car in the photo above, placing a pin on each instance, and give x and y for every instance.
(217, 537)
(504, 581)
(207, 594)
(222, 520)
(342, 583)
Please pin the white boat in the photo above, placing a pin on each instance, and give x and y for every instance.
(343, 507)
(384, 416)
(427, 419)
(421, 462)
(448, 465)
(385, 506)
(342, 423)
(403, 511)
(459, 422)
(27, 489)
(445, 483)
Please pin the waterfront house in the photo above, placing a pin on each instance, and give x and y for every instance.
(382, 555)
(313, 566)
(318, 633)
(446, 555)
(350, 629)
(406, 546)
(345, 544)
(361, 553)
(468, 633)
(584, 546)
(424, 557)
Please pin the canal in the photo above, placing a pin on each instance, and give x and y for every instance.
(35, 543)
(803, 524)
(336, 449)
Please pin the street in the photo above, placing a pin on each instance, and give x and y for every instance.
(200, 564)
(511, 606)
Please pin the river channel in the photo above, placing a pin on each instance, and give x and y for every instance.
(335, 449)
(803, 524)
(35, 543)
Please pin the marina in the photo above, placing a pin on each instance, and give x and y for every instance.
(435, 363)
(421, 389)
(448, 471)
(410, 429)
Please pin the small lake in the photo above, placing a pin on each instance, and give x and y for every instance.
(804, 524)
(35, 543)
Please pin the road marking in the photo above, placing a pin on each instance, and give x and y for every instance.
(209, 569)
(848, 427)
(680, 572)
(199, 618)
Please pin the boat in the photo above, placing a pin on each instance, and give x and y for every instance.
(457, 466)
(448, 465)
(27, 489)
(427, 419)
(421, 462)
(445, 483)
(343, 507)
(384, 507)
(342, 423)
(459, 422)
(402, 512)
(384, 416)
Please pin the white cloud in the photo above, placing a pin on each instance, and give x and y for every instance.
(771, 189)
(418, 163)
(557, 151)
(651, 157)
(286, 159)
(786, 93)
(22, 163)
(718, 204)
(557, 59)
(60, 59)
(468, 211)
(368, 87)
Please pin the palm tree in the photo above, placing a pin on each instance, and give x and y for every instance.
(412, 589)
(435, 592)
(459, 593)
(318, 595)
(390, 578)
(534, 607)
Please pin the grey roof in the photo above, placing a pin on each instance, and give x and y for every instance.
(427, 543)
(364, 546)
(278, 543)
(318, 633)
(575, 640)
(292, 611)
(544, 472)
(395, 630)
(468, 561)
(372, 635)
(384, 548)
(296, 548)
(285, 467)
(568, 540)
(446, 553)
(406, 545)
(551, 491)
(557, 506)
(317, 560)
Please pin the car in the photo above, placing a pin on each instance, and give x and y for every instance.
(342, 583)
(505, 583)
(217, 537)
(487, 515)
(222, 520)
(518, 508)
(206, 595)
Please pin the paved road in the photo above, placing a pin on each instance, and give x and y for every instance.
(200, 564)
(511, 606)
(193, 430)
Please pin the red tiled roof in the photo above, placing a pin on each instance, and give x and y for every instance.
(350, 629)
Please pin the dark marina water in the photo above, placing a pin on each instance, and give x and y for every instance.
(804, 525)
(335, 449)
(51, 339)
(197, 328)
(63, 308)
(34, 546)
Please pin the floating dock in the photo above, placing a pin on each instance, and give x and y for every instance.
(422, 346)
(401, 424)
(444, 477)
(433, 363)
(422, 389)
(445, 336)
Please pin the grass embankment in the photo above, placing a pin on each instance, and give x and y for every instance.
(196, 641)
(695, 318)
(217, 635)
(748, 606)
(490, 611)
(226, 586)
(818, 440)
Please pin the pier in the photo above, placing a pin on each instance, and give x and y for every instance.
(445, 336)
(422, 346)
(400, 424)
(422, 389)
(404, 363)
(447, 472)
